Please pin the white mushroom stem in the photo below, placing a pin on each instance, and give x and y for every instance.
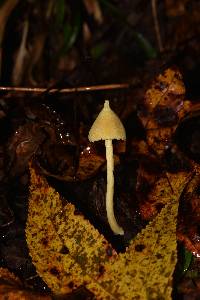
(108, 127)
(110, 189)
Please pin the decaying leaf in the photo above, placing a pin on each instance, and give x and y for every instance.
(11, 288)
(149, 262)
(68, 252)
(158, 197)
(164, 105)
(188, 219)
(175, 8)
(89, 163)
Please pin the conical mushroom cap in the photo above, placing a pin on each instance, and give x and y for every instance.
(107, 126)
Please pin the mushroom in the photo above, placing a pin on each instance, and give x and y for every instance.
(108, 126)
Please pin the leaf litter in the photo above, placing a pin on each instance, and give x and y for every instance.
(68, 252)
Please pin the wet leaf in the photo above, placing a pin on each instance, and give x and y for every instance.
(157, 198)
(89, 163)
(164, 105)
(188, 219)
(11, 288)
(68, 252)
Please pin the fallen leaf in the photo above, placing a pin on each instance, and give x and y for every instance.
(68, 252)
(157, 198)
(89, 163)
(164, 105)
(145, 271)
(175, 8)
(184, 22)
(11, 288)
(188, 219)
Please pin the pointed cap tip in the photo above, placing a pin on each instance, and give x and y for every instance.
(107, 126)
(106, 104)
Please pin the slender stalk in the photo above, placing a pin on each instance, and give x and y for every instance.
(110, 189)
(92, 88)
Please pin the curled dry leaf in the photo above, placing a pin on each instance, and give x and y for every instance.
(68, 252)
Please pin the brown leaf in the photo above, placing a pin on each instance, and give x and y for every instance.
(164, 105)
(89, 163)
(175, 8)
(189, 214)
(157, 198)
(166, 111)
(11, 288)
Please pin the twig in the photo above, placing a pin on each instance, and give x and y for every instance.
(156, 25)
(81, 89)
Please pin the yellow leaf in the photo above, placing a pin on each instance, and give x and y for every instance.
(65, 248)
(68, 252)
(149, 262)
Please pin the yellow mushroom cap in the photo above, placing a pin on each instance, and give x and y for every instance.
(107, 126)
